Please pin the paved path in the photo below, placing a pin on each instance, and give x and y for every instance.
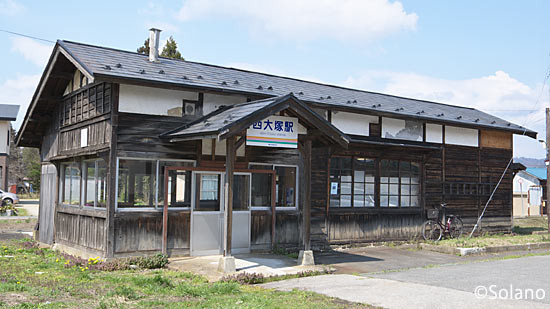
(531, 272)
(31, 206)
(440, 281)
(394, 294)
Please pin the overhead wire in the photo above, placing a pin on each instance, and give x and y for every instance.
(535, 107)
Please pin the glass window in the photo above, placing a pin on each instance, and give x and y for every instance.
(399, 183)
(102, 188)
(285, 186)
(352, 182)
(179, 185)
(208, 192)
(261, 189)
(95, 183)
(71, 184)
(136, 183)
(90, 183)
(241, 192)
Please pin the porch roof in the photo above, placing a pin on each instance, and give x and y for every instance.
(233, 120)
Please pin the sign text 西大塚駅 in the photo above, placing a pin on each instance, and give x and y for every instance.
(274, 131)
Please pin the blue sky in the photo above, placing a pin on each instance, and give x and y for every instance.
(492, 55)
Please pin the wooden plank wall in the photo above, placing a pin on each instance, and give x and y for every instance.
(453, 164)
(48, 189)
(138, 136)
(143, 232)
(81, 230)
(99, 134)
(287, 222)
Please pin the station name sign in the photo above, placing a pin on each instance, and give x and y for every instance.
(274, 131)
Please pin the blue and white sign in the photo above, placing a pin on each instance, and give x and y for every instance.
(274, 131)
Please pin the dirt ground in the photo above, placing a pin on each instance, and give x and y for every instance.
(16, 225)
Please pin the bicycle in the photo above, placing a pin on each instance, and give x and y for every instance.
(434, 228)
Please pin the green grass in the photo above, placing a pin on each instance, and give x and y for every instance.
(528, 225)
(489, 240)
(40, 278)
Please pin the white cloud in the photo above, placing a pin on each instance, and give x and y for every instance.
(19, 91)
(304, 20)
(498, 94)
(10, 7)
(31, 50)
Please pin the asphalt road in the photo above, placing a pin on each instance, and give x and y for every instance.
(502, 283)
(531, 272)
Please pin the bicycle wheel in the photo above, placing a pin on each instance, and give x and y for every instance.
(431, 230)
(456, 227)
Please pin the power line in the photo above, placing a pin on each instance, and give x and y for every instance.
(27, 36)
(535, 106)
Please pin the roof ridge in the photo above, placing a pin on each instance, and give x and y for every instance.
(273, 75)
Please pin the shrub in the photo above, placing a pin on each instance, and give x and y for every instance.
(153, 262)
(245, 278)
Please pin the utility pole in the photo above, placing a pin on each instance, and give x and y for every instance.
(548, 166)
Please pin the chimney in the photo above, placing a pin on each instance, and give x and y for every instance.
(154, 37)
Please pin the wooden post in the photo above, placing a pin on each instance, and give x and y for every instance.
(229, 170)
(273, 209)
(110, 219)
(165, 213)
(548, 166)
(307, 205)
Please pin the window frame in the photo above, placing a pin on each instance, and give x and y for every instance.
(157, 207)
(399, 186)
(84, 175)
(64, 166)
(297, 193)
(377, 185)
(352, 183)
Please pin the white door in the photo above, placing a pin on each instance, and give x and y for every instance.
(240, 240)
(207, 214)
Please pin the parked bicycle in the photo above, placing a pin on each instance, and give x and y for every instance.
(439, 223)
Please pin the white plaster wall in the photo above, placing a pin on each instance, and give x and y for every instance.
(4, 132)
(461, 136)
(214, 101)
(220, 148)
(402, 129)
(351, 123)
(527, 181)
(152, 101)
(322, 112)
(434, 133)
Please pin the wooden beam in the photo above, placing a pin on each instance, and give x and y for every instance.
(240, 142)
(307, 205)
(110, 220)
(165, 213)
(273, 208)
(229, 170)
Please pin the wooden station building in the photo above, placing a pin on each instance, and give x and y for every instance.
(143, 154)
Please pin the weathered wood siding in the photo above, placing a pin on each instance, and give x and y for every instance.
(136, 232)
(81, 230)
(48, 189)
(138, 136)
(463, 177)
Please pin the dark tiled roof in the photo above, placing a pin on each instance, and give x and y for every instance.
(8, 112)
(101, 61)
(216, 121)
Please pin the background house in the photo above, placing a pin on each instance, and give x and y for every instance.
(530, 192)
(8, 113)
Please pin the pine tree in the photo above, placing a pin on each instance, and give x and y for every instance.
(170, 50)
(145, 48)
